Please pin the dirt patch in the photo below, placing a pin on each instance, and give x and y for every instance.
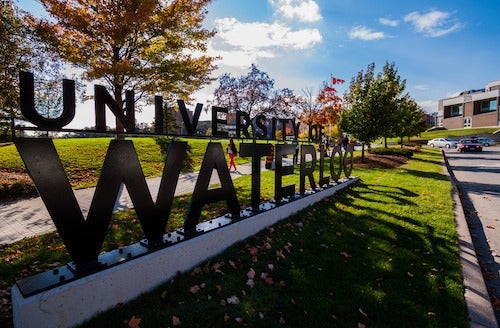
(379, 161)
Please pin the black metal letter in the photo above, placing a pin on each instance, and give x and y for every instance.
(243, 127)
(289, 190)
(43, 164)
(190, 126)
(216, 120)
(213, 159)
(27, 103)
(307, 170)
(103, 98)
(159, 116)
(256, 151)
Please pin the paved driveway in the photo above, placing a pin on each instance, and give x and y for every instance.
(478, 175)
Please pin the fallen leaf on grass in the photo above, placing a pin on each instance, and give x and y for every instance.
(250, 283)
(134, 322)
(233, 300)
(269, 280)
(219, 288)
(175, 321)
(226, 317)
(164, 295)
(345, 255)
(251, 273)
(363, 313)
(194, 289)
(253, 250)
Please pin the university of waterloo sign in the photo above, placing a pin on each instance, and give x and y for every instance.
(83, 237)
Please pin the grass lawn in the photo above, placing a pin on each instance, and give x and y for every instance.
(382, 254)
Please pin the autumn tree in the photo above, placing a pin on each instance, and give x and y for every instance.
(308, 107)
(330, 103)
(150, 46)
(14, 56)
(254, 94)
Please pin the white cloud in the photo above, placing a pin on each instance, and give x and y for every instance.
(388, 22)
(430, 106)
(365, 33)
(435, 23)
(241, 44)
(422, 87)
(306, 11)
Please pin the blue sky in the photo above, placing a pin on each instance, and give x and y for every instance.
(439, 47)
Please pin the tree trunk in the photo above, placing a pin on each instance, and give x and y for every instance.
(362, 152)
(385, 142)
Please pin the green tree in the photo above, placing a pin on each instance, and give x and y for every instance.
(410, 118)
(390, 89)
(149, 46)
(14, 56)
(359, 116)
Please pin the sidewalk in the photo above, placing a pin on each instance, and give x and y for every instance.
(29, 217)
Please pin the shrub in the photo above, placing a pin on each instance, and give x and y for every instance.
(13, 188)
(391, 151)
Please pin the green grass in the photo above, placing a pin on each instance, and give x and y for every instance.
(382, 254)
(457, 133)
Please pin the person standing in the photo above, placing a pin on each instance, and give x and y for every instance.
(232, 152)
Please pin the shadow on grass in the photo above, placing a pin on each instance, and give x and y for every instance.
(342, 262)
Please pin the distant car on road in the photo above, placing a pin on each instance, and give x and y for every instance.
(486, 142)
(442, 142)
(469, 145)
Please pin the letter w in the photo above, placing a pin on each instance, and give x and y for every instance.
(83, 239)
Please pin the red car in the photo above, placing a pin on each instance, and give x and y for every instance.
(469, 145)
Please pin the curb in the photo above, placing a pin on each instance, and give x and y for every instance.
(478, 302)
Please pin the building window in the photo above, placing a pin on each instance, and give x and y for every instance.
(467, 122)
(485, 106)
(488, 105)
(456, 110)
(453, 110)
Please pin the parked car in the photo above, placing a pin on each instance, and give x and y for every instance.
(442, 142)
(486, 142)
(469, 145)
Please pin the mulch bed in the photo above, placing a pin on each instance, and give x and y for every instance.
(379, 161)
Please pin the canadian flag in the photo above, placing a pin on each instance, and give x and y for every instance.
(337, 81)
(330, 89)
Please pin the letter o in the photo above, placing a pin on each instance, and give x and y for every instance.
(336, 168)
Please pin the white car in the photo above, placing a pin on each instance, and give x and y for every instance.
(442, 142)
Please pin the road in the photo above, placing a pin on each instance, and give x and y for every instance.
(478, 175)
